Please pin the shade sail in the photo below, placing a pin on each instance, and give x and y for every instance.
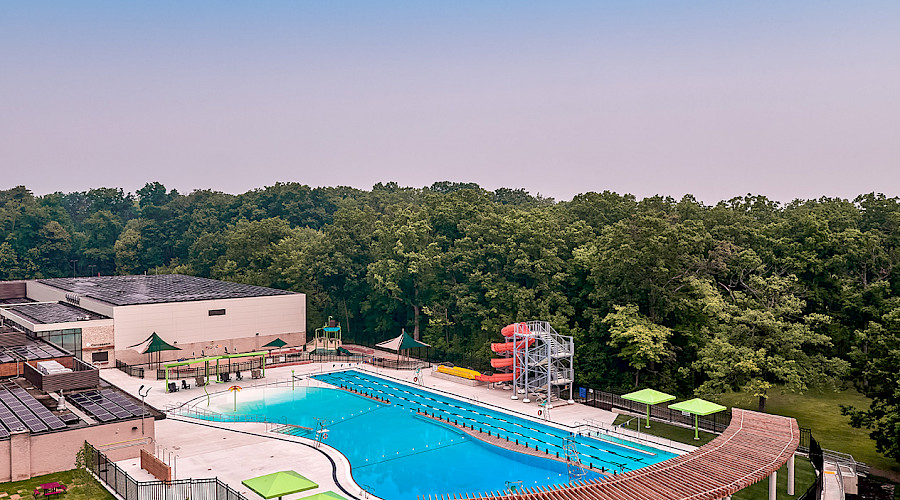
(404, 341)
(275, 344)
(648, 396)
(278, 484)
(154, 343)
(697, 406)
(328, 495)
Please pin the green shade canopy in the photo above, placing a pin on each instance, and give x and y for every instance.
(275, 344)
(278, 484)
(648, 396)
(697, 406)
(404, 341)
(328, 495)
(154, 343)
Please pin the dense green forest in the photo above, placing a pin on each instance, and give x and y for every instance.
(747, 294)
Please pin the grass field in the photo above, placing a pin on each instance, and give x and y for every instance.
(673, 432)
(89, 490)
(820, 411)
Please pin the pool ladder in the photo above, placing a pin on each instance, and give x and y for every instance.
(513, 487)
(573, 462)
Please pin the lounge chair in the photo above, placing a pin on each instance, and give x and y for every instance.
(173, 387)
(185, 385)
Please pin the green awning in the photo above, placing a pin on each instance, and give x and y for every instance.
(278, 484)
(697, 406)
(328, 495)
(648, 396)
(404, 341)
(275, 344)
(154, 343)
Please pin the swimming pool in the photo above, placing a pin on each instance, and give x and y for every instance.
(397, 454)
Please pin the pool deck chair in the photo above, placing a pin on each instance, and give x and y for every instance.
(648, 397)
(278, 484)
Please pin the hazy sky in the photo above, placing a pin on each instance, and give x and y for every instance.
(718, 98)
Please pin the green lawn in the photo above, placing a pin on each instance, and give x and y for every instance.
(820, 411)
(673, 432)
(89, 490)
(804, 476)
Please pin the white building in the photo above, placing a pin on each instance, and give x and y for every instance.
(99, 318)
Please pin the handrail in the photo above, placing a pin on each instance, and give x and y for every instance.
(125, 444)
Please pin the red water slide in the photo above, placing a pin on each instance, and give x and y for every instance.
(502, 362)
(510, 346)
(508, 330)
(500, 377)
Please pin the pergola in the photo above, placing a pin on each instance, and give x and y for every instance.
(209, 359)
(754, 446)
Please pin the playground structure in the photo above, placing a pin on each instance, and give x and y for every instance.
(536, 360)
(327, 340)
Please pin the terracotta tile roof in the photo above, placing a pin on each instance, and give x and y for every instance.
(751, 448)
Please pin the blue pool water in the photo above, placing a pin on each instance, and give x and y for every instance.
(397, 454)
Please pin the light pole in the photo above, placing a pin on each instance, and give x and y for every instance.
(143, 405)
(91, 268)
(73, 261)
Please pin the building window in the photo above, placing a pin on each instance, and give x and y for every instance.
(217, 312)
(99, 356)
(69, 339)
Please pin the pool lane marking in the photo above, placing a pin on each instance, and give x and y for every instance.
(490, 426)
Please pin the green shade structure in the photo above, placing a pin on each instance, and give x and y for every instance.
(698, 407)
(154, 344)
(403, 342)
(328, 495)
(648, 397)
(278, 484)
(275, 344)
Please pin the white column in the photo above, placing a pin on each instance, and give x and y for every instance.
(773, 481)
(790, 485)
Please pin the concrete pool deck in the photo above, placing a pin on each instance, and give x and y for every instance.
(236, 451)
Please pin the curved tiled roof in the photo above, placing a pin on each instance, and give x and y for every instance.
(752, 447)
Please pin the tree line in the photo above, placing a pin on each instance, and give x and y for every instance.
(747, 294)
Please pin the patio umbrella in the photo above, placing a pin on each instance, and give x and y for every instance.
(328, 495)
(648, 397)
(278, 484)
(697, 407)
(154, 344)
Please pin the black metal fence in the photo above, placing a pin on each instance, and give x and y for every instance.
(224, 366)
(814, 492)
(131, 370)
(715, 423)
(131, 489)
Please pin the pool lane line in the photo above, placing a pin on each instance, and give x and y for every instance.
(367, 384)
(483, 424)
(333, 463)
(510, 446)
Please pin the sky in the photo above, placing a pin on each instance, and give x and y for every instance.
(716, 99)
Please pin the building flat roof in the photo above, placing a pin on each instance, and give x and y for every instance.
(16, 346)
(44, 313)
(157, 289)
